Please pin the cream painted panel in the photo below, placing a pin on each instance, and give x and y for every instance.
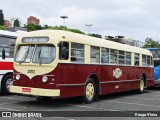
(140, 58)
(132, 59)
(87, 54)
(39, 69)
(35, 91)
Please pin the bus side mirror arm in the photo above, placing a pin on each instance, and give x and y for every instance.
(3, 54)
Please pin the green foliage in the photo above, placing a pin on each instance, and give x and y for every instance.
(151, 44)
(66, 29)
(1, 19)
(95, 35)
(77, 31)
(58, 28)
(46, 26)
(3, 27)
(32, 27)
(16, 23)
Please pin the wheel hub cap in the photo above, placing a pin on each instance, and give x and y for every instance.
(90, 91)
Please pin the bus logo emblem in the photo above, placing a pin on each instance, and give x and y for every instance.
(117, 73)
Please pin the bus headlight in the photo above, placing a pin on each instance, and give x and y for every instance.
(18, 77)
(44, 79)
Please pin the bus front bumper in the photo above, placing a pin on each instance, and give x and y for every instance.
(35, 91)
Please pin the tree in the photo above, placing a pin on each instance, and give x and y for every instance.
(66, 29)
(32, 27)
(3, 27)
(76, 31)
(46, 26)
(95, 35)
(150, 43)
(16, 23)
(1, 18)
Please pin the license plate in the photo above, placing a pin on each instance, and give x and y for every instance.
(26, 89)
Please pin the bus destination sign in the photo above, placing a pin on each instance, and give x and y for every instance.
(34, 39)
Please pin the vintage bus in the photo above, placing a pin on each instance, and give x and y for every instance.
(7, 43)
(156, 59)
(53, 63)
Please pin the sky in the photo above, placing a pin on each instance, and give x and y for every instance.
(136, 19)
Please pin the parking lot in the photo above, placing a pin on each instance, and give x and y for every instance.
(124, 102)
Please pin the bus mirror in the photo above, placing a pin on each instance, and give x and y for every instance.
(64, 46)
(3, 54)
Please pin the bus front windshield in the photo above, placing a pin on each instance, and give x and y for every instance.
(40, 54)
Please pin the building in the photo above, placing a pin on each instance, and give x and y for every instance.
(7, 23)
(33, 20)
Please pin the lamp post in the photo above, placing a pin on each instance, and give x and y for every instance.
(88, 25)
(64, 17)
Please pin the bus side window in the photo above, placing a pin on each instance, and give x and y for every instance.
(77, 52)
(95, 54)
(136, 63)
(148, 60)
(144, 60)
(121, 58)
(128, 58)
(113, 56)
(104, 55)
(63, 50)
(136, 59)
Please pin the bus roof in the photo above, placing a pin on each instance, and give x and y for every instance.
(60, 35)
(9, 33)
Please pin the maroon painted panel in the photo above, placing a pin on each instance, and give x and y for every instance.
(35, 82)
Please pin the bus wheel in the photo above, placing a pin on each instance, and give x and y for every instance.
(90, 91)
(7, 81)
(141, 86)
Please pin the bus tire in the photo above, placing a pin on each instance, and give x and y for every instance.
(141, 86)
(7, 81)
(89, 91)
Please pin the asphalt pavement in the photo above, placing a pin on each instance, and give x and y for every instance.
(121, 106)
